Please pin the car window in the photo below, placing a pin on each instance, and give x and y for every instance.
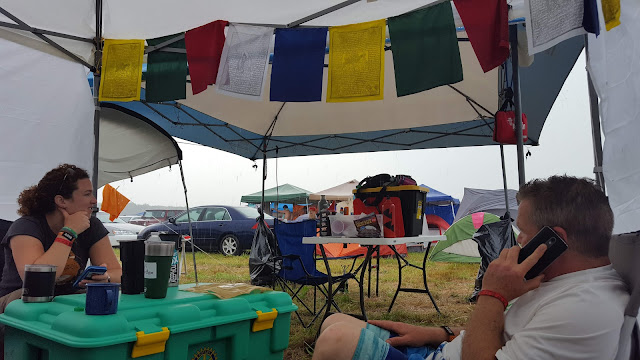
(227, 216)
(193, 213)
(216, 213)
(251, 213)
(173, 213)
(154, 214)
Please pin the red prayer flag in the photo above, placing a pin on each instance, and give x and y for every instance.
(487, 26)
(204, 46)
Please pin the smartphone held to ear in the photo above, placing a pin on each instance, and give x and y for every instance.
(88, 274)
(555, 247)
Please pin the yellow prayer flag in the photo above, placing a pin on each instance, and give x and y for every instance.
(611, 13)
(121, 70)
(356, 62)
(113, 202)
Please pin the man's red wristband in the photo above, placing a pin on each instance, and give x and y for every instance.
(61, 239)
(496, 295)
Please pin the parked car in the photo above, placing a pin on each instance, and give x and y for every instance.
(228, 229)
(154, 216)
(128, 218)
(118, 229)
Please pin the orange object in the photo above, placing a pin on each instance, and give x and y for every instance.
(113, 202)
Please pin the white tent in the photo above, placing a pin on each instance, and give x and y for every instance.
(491, 201)
(342, 192)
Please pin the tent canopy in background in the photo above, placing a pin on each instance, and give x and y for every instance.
(286, 193)
(492, 201)
(440, 204)
(342, 192)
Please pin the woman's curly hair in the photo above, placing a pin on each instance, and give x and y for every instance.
(39, 199)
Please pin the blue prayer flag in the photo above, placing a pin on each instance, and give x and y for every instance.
(590, 20)
(298, 62)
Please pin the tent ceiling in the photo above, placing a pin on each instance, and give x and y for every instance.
(437, 118)
(130, 145)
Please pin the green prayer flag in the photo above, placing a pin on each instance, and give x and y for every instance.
(166, 77)
(425, 49)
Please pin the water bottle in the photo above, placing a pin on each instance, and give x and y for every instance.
(155, 236)
(323, 205)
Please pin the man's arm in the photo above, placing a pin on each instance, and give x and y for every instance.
(505, 277)
(414, 335)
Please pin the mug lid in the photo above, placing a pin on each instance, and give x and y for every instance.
(159, 248)
(40, 268)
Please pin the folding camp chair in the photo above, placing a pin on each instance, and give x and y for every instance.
(298, 268)
(624, 252)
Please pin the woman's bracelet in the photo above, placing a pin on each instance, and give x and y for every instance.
(70, 231)
(64, 238)
(495, 295)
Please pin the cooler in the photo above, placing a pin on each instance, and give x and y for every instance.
(412, 199)
(184, 325)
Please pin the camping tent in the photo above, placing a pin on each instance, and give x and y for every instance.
(286, 193)
(440, 204)
(342, 192)
(492, 201)
(459, 246)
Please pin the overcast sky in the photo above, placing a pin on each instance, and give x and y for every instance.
(217, 177)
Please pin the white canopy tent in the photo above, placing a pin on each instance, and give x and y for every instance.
(342, 192)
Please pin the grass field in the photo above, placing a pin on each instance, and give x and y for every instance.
(451, 284)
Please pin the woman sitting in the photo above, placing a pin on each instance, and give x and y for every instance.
(56, 228)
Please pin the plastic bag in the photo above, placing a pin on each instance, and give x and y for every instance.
(492, 239)
(262, 266)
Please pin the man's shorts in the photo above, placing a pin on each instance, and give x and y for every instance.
(372, 345)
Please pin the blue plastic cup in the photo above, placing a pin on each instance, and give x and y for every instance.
(102, 298)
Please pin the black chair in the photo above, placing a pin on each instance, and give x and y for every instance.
(298, 268)
(4, 227)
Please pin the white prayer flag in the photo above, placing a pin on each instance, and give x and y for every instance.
(244, 61)
(550, 22)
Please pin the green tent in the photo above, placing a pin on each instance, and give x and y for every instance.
(283, 193)
(459, 246)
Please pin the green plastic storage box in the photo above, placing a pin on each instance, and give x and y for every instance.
(184, 325)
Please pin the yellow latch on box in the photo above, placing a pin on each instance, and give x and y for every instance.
(148, 344)
(264, 320)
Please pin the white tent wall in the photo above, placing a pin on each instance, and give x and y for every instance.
(614, 66)
(130, 146)
(46, 119)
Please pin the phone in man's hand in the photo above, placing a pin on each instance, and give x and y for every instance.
(555, 247)
(88, 274)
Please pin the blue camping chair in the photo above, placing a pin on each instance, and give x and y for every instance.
(298, 267)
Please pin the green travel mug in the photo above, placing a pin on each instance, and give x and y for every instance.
(157, 267)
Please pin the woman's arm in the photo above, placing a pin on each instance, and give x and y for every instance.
(28, 250)
(101, 253)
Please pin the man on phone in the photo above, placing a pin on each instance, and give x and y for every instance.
(572, 310)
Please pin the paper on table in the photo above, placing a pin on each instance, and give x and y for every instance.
(227, 291)
(550, 22)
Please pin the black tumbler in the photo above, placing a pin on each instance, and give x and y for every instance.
(132, 257)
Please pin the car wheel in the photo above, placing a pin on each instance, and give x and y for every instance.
(229, 245)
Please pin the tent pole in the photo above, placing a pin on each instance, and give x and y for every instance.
(96, 101)
(193, 243)
(595, 125)
(513, 39)
(504, 181)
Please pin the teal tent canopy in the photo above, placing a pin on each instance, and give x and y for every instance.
(284, 193)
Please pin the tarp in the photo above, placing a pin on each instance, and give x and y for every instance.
(492, 201)
(342, 192)
(614, 66)
(459, 246)
(286, 193)
(41, 125)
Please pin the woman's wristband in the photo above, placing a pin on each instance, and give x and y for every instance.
(64, 238)
(70, 231)
(495, 295)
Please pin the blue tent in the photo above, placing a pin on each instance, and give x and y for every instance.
(441, 204)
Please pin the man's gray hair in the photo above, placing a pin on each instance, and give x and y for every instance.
(577, 205)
